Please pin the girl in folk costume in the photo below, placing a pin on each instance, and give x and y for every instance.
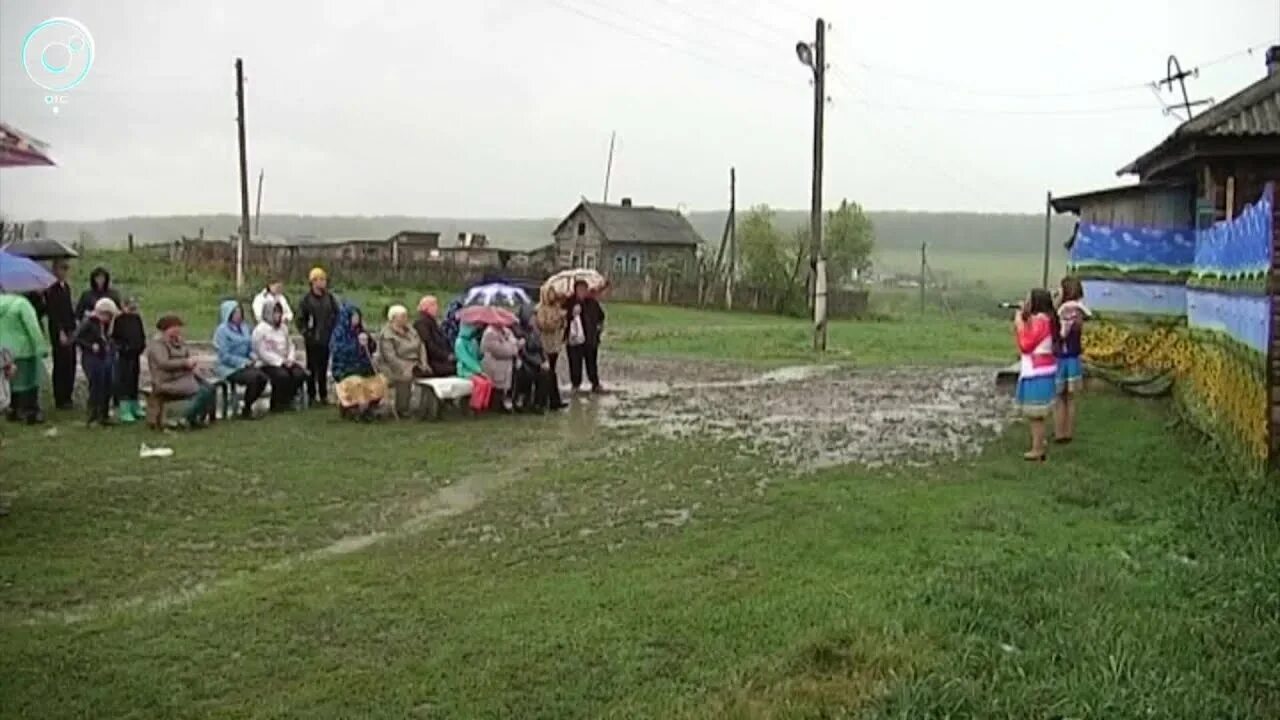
(1072, 315)
(1037, 331)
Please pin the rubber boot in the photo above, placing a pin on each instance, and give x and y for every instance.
(128, 412)
(29, 409)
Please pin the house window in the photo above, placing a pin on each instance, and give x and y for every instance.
(619, 263)
(573, 260)
(589, 261)
(633, 266)
(582, 229)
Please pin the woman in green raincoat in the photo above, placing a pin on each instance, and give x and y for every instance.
(20, 334)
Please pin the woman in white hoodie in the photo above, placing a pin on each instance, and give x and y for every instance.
(274, 349)
(272, 293)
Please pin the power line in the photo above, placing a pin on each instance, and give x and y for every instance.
(720, 24)
(713, 60)
(969, 90)
(1067, 111)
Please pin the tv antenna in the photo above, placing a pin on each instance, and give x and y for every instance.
(1175, 73)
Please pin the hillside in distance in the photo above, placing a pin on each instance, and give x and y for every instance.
(899, 234)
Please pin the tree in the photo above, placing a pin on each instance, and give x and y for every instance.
(763, 257)
(850, 238)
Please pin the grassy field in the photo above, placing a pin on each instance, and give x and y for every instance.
(557, 568)
(900, 335)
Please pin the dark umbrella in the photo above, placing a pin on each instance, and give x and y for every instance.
(41, 249)
(22, 275)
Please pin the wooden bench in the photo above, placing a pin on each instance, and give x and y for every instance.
(232, 393)
(435, 391)
(157, 403)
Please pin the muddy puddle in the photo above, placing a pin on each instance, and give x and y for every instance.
(809, 416)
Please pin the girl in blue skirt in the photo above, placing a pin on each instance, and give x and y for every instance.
(1036, 329)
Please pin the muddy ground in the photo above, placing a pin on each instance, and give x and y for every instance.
(809, 416)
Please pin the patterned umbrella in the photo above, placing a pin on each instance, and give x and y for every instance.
(498, 295)
(18, 149)
(486, 315)
(559, 287)
(22, 275)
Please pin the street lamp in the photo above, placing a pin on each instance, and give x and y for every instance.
(814, 57)
(804, 51)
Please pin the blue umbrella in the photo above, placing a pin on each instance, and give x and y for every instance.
(22, 275)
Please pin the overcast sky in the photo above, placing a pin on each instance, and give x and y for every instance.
(503, 108)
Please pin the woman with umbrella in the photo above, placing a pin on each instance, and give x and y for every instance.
(482, 342)
(360, 388)
(21, 335)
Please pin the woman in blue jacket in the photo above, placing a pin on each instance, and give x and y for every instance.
(233, 341)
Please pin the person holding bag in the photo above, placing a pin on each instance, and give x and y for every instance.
(586, 325)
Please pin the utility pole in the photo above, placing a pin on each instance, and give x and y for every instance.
(924, 276)
(1048, 218)
(257, 212)
(733, 239)
(815, 57)
(608, 169)
(243, 249)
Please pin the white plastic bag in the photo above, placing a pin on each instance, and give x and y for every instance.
(576, 334)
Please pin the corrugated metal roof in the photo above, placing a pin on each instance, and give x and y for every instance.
(642, 225)
(1252, 112)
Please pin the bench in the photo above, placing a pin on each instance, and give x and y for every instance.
(157, 403)
(435, 391)
(232, 393)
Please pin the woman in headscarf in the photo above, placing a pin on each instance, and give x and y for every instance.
(401, 356)
(360, 388)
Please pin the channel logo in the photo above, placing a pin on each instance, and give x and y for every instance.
(57, 55)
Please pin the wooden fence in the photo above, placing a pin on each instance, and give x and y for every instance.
(265, 262)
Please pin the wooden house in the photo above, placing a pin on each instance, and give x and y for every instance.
(626, 239)
(1204, 215)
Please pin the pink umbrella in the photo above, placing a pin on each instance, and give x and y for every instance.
(17, 149)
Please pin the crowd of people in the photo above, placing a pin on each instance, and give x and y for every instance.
(1050, 373)
(512, 367)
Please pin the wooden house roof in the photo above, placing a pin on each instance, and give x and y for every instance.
(635, 224)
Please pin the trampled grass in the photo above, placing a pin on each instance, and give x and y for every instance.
(553, 568)
(300, 567)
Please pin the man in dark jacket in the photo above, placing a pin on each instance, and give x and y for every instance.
(99, 287)
(439, 349)
(584, 326)
(317, 312)
(62, 318)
